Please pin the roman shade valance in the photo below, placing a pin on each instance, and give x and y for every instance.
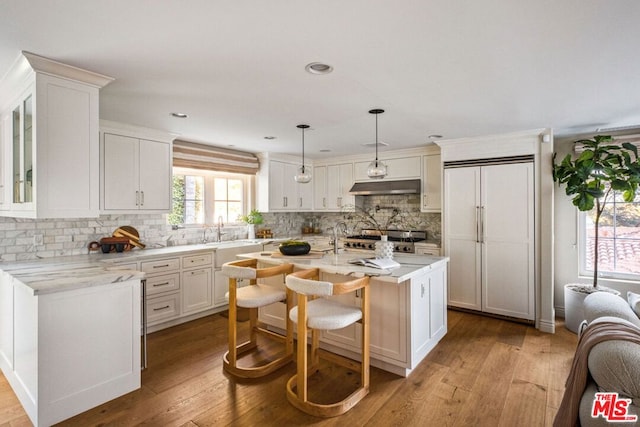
(200, 156)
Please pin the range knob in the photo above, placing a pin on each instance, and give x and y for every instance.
(347, 244)
(371, 246)
(406, 249)
(397, 249)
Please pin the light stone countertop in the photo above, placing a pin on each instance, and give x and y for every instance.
(58, 274)
(410, 265)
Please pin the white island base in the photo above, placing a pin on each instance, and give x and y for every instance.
(66, 352)
(408, 312)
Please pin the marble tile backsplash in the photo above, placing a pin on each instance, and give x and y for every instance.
(63, 237)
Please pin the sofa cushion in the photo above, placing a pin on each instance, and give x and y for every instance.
(599, 304)
(615, 367)
(634, 302)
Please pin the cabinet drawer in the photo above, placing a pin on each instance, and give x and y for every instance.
(160, 266)
(196, 260)
(163, 283)
(163, 308)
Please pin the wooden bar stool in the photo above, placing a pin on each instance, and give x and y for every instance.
(252, 297)
(319, 314)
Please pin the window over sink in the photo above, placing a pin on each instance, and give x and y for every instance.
(201, 196)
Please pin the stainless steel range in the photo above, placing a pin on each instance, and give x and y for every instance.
(403, 240)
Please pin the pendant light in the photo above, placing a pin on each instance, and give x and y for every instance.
(304, 173)
(377, 169)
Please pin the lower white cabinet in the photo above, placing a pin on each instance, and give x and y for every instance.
(163, 308)
(66, 352)
(197, 292)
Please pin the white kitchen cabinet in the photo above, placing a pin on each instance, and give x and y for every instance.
(339, 182)
(397, 168)
(163, 289)
(431, 183)
(136, 174)
(49, 117)
(197, 294)
(285, 194)
(489, 237)
(319, 188)
(69, 351)
(427, 249)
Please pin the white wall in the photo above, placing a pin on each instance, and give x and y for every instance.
(566, 241)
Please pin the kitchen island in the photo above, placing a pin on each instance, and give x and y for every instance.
(408, 306)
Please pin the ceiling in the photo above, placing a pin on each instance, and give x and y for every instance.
(457, 69)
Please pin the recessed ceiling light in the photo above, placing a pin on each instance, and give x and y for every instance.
(318, 68)
(269, 137)
(180, 115)
(325, 150)
(432, 137)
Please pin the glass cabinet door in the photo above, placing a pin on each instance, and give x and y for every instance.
(23, 152)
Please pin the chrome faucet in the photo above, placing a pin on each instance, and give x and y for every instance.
(340, 226)
(218, 230)
(204, 233)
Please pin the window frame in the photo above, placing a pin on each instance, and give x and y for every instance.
(248, 183)
(582, 255)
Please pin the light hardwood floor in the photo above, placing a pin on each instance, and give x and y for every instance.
(485, 372)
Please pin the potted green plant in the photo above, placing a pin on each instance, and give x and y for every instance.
(593, 178)
(252, 219)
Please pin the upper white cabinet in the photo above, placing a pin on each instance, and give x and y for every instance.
(339, 182)
(319, 188)
(397, 168)
(49, 129)
(135, 170)
(431, 183)
(278, 191)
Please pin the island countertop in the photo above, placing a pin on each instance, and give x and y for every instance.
(411, 265)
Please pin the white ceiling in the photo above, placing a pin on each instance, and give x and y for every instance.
(456, 68)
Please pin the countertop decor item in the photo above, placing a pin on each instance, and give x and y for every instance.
(294, 247)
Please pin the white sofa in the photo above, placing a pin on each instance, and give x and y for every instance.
(614, 366)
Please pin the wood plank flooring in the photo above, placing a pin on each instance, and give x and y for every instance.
(485, 372)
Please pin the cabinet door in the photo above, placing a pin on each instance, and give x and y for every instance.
(120, 172)
(431, 183)
(507, 228)
(5, 132)
(276, 190)
(305, 196)
(420, 316)
(389, 314)
(339, 182)
(319, 188)
(6, 321)
(462, 238)
(197, 290)
(155, 175)
(220, 288)
(399, 168)
(437, 303)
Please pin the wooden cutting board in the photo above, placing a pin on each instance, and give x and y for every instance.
(310, 255)
(130, 233)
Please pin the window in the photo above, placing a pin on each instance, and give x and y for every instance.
(201, 197)
(618, 240)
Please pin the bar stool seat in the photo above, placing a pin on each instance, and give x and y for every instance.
(315, 312)
(254, 296)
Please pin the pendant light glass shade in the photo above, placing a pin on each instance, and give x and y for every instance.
(377, 169)
(304, 173)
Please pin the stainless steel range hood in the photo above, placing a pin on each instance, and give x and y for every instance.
(410, 186)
